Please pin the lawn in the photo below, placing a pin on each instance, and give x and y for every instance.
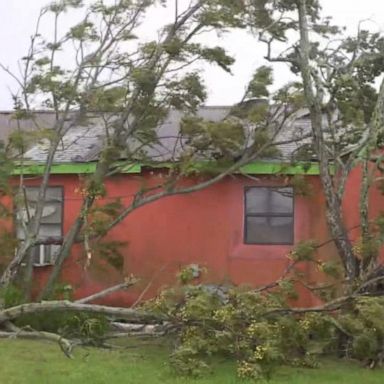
(32, 362)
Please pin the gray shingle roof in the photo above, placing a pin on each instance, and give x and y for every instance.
(83, 143)
(8, 124)
(79, 144)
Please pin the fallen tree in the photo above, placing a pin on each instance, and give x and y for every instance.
(259, 327)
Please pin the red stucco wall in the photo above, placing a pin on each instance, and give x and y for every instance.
(205, 227)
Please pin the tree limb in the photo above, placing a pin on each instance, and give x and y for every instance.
(129, 283)
(64, 305)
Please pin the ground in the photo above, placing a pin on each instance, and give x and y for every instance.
(35, 362)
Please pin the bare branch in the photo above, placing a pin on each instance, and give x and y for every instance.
(119, 287)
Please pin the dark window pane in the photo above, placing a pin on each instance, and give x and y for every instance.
(269, 200)
(256, 200)
(51, 194)
(31, 193)
(54, 194)
(269, 230)
(49, 232)
(282, 200)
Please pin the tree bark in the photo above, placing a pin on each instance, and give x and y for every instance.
(333, 204)
(13, 313)
(107, 291)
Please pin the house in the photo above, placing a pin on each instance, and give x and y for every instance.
(240, 229)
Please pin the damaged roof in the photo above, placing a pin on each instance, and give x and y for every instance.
(83, 143)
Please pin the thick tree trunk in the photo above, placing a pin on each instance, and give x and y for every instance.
(13, 313)
(333, 205)
(339, 233)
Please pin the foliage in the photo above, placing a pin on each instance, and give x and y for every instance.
(6, 166)
(11, 296)
(111, 253)
(363, 325)
(301, 187)
(213, 331)
(244, 324)
(8, 244)
(304, 251)
(260, 332)
(258, 328)
(89, 328)
(189, 273)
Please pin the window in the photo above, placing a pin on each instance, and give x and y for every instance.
(268, 215)
(50, 232)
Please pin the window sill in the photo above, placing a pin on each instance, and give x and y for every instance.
(42, 265)
(260, 251)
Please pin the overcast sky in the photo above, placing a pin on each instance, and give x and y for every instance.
(17, 20)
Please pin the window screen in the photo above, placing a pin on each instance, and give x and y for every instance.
(269, 215)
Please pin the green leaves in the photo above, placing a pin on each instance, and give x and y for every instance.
(224, 139)
(222, 14)
(253, 328)
(304, 251)
(261, 80)
(188, 93)
(60, 6)
(364, 326)
(84, 31)
(174, 47)
(105, 100)
(6, 166)
(218, 56)
(144, 79)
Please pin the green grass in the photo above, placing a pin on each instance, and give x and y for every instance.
(32, 362)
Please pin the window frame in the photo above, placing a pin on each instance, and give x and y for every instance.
(61, 224)
(268, 215)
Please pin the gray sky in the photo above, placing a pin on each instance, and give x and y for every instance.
(18, 17)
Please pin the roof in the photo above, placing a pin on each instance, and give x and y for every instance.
(8, 124)
(83, 144)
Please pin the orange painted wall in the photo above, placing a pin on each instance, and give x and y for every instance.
(205, 227)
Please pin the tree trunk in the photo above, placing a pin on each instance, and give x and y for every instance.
(333, 205)
(13, 313)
